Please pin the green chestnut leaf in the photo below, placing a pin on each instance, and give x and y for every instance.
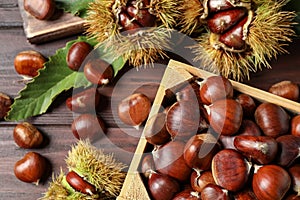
(56, 77)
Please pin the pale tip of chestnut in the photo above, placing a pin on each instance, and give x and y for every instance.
(105, 81)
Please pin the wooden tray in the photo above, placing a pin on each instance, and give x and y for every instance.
(175, 74)
(40, 31)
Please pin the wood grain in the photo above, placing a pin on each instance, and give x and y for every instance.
(40, 31)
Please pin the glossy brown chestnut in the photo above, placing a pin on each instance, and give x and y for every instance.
(295, 125)
(191, 93)
(40, 9)
(260, 149)
(28, 63)
(79, 184)
(222, 21)
(212, 191)
(142, 16)
(162, 186)
(295, 176)
(27, 136)
(134, 109)
(156, 132)
(187, 194)
(98, 72)
(289, 146)
(77, 53)
(88, 126)
(230, 169)
(215, 88)
(84, 102)
(147, 165)
(272, 119)
(184, 119)
(5, 103)
(225, 116)
(270, 182)
(248, 104)
(200, 179)
(169, 160)
(200, 150)
(233, 38)
(31, 168)
(285, 89)
(249, 127)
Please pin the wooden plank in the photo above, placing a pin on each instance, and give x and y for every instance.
(39, 31)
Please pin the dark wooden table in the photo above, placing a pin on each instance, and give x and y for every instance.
(55, 124)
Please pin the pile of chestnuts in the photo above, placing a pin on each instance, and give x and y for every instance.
(216, 143)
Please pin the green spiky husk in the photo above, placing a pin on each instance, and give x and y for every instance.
(145, 47)
(190, 21)
(99, 169)
(269, 32)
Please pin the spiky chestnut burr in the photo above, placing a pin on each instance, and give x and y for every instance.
(138, 30)
(94, 169)
(257, 31)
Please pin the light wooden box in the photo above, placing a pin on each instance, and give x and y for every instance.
(175, 74)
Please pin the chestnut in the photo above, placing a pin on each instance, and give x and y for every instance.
(79, 184)
(168, 159)
(272, 119)
(156, 132)
(40, 9)
(295, 175)
(184, 119)
(200, 179)
(225, 116)
(5, 103)
(219, 5)
(134, 109)
(191, 93)
(285, 89)
(27, 136)
(187, 194)
(249, 127)
(199, 151)
(260, 149)
(230, 169)
(162, 186)
(77, 53)
(270, 182)
(214, 88)
(147, 165)
(29, 62)
(98, 72)
(248, 104)
(88, 126)
(212, 191)
(85, 101)
(222, 21)
(289, 146)
(295, 125)
(31, 168)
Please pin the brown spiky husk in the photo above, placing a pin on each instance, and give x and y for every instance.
(141, 48)
(99, 169)
(270, 30)
(190, 21)
(144, 46)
